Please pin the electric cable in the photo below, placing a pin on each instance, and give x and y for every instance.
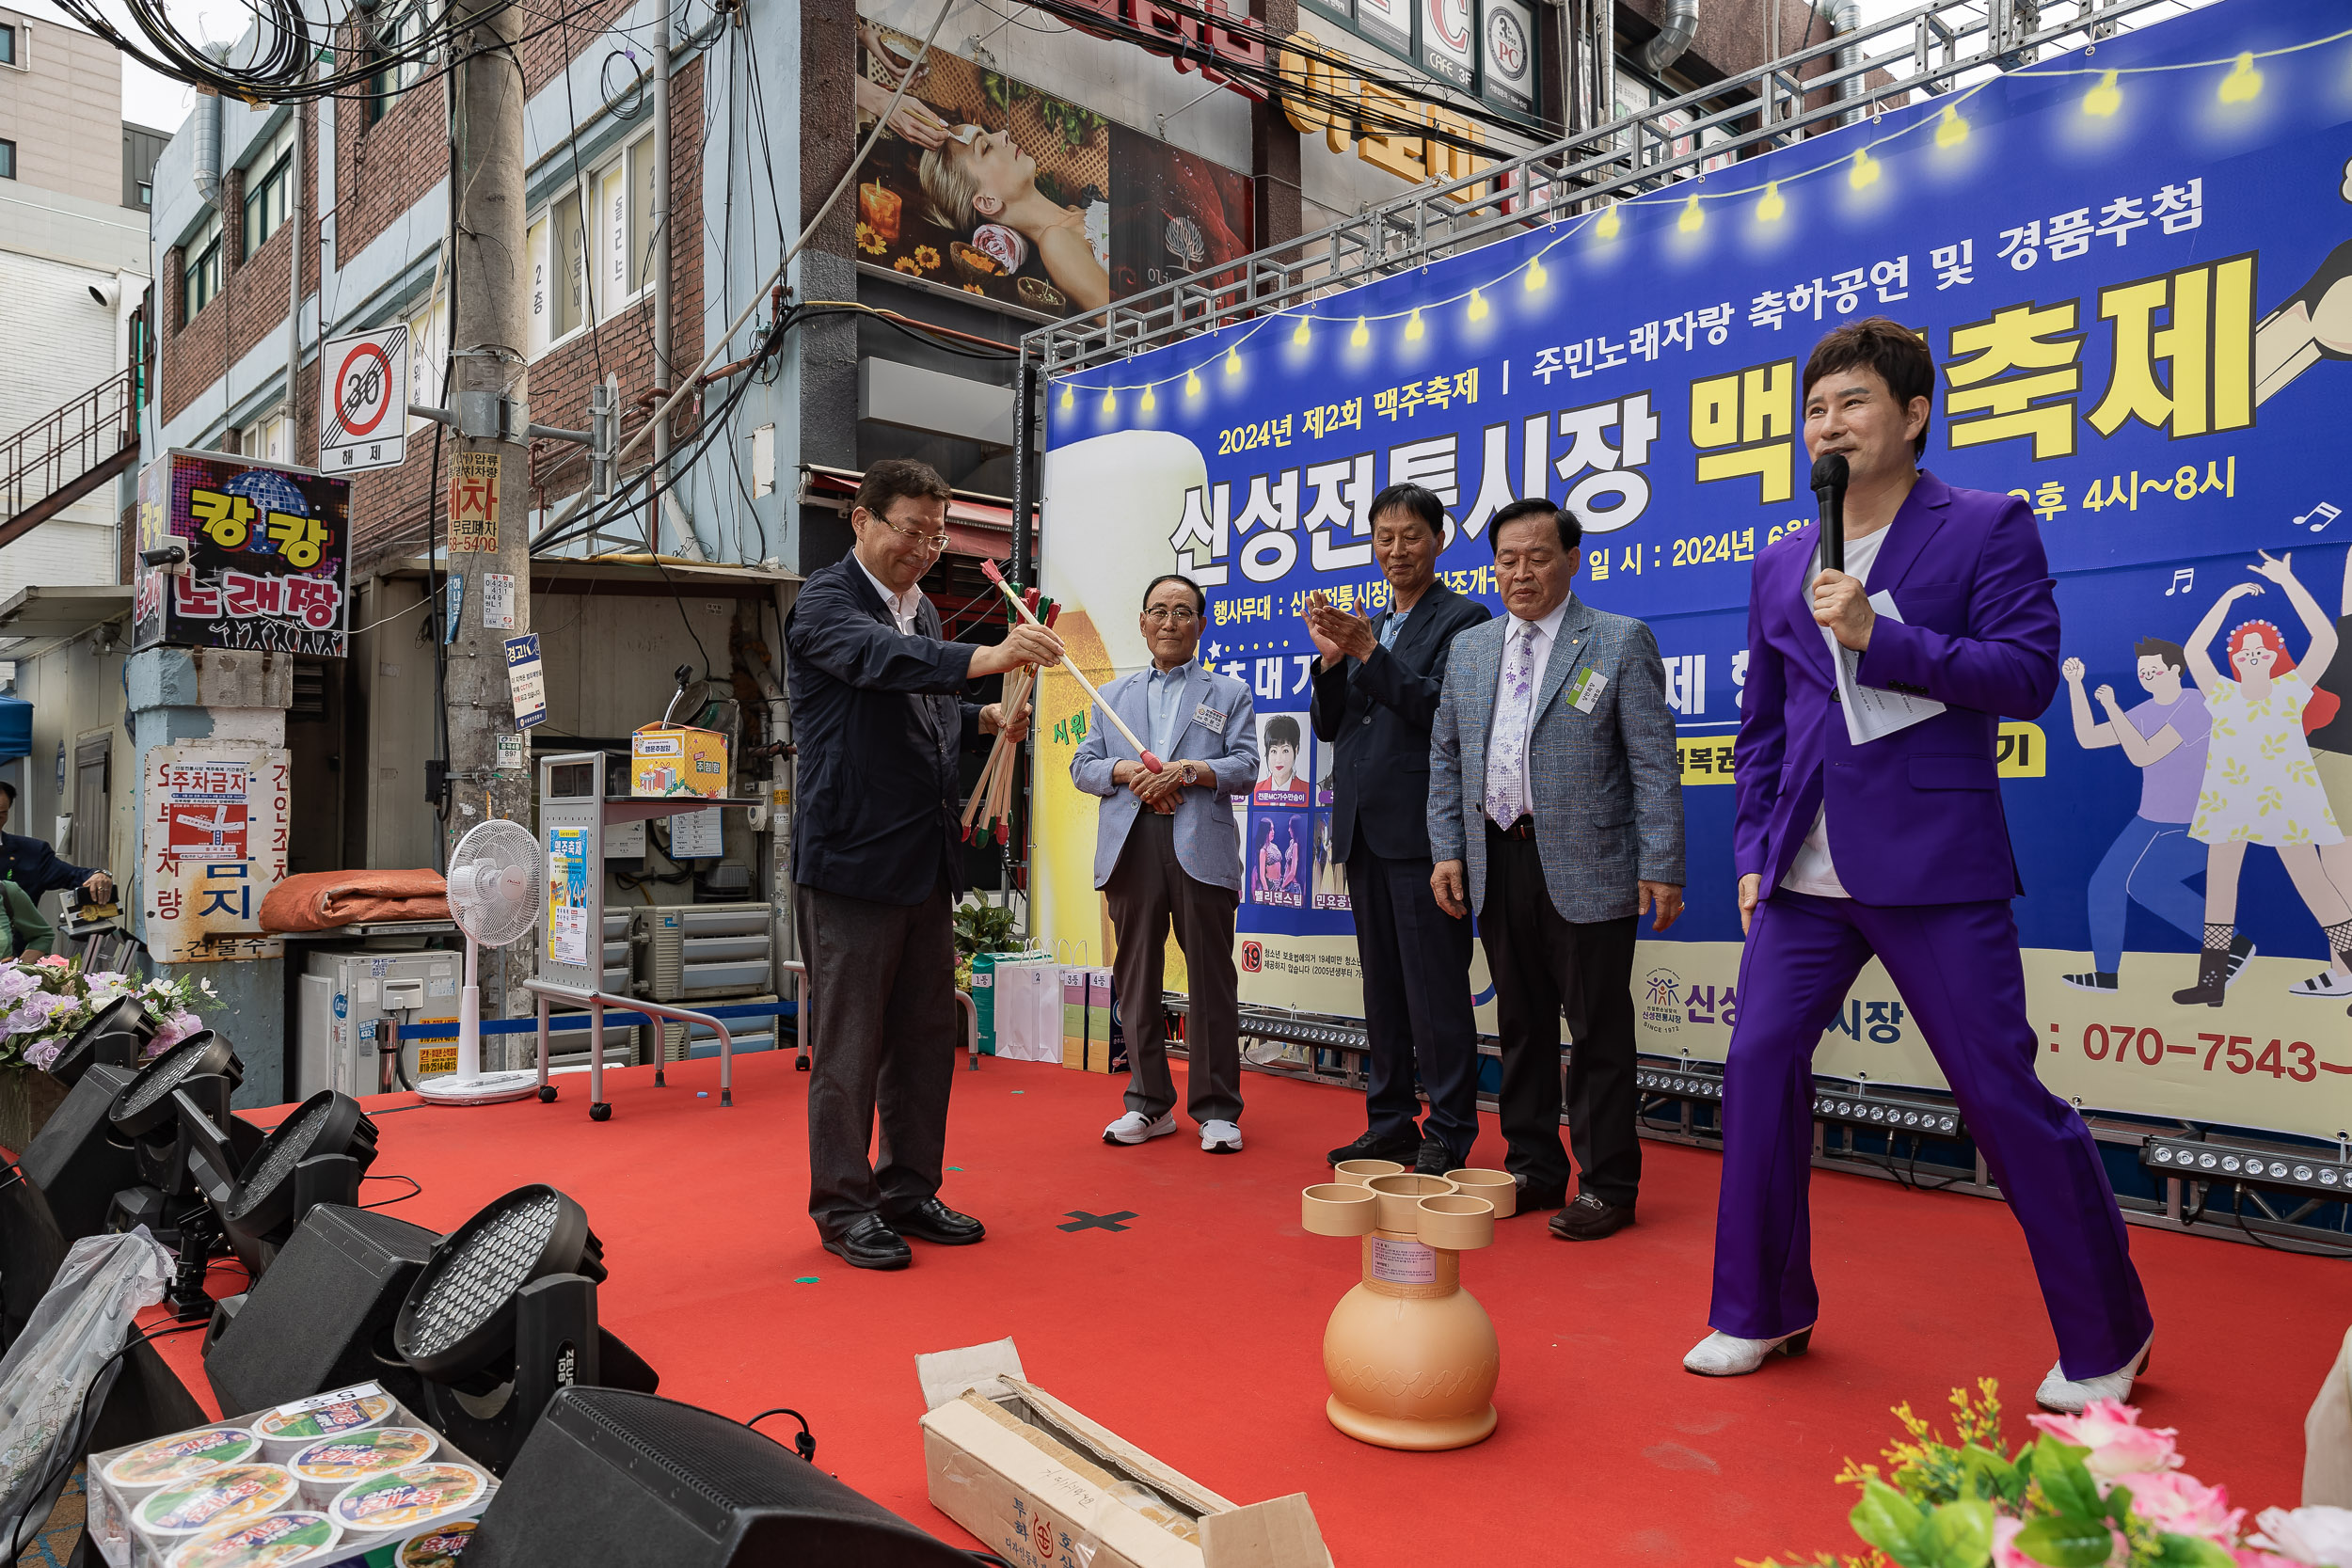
(804, 1445)
(2237, 1209)
(415, 1189)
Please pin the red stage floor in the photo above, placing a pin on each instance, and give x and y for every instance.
(1195, 1331)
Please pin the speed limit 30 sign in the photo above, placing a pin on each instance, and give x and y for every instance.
(363, 401)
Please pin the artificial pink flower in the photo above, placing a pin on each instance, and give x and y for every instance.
(2118, 1445)
(2005, 1555)
(2248, 1558)
(50, 961)
(2183, 1505)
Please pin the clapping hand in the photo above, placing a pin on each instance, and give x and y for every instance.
(1338, 633)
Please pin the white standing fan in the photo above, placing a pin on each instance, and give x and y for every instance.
(494, 897)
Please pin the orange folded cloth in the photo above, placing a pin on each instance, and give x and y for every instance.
(320, 900)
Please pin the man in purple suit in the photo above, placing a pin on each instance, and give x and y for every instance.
(1878, 832)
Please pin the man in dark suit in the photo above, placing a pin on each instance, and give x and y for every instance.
(877, 864)
(33, 865)
(1375, 690)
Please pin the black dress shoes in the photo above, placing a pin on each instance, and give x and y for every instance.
(1588, 1219)
(934, 1222)
(1404, 1148)
(870, 1244)
(1434, 1159)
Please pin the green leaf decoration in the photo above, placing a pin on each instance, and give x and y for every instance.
(1961, 1535)
(2066, 1542)
(2120, 1504)
(1995, 1477)
(1891, 1522)
(2187, 1551)
(2058, 1467)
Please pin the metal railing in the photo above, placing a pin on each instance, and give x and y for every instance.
(65, 443)
(1924, 49)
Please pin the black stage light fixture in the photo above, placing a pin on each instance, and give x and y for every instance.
(144, 1109)
(607, 1464)
(2305, 1171)
(316, 1155)
(322, 1317)
(503, 1315)
(116, 1035)
(76, 1161)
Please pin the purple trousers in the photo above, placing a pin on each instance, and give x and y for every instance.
(1958, 968)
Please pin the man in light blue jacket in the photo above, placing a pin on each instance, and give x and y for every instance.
(1168, 848)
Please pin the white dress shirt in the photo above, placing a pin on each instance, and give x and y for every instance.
(1547, 633)
(903, 606)
(1812, 871)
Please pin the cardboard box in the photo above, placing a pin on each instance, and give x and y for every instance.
(677, 761)
(1041, 1485)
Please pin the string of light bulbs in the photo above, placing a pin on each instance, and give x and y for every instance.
(1950, 128)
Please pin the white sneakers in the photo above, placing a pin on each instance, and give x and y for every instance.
(1136, 1127)
(1220, 1137)
(2070, 1397)
(1724, 1356)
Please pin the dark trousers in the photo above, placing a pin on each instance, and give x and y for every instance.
(1148, 891)
(1958, 968)
(883, 1032)
(1417, 1002)
(1541, 963)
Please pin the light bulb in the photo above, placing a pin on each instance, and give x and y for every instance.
(2103, 99)
(1536, 276)
(1607, 227)
(1952, 130)
(1069, 397)
(1110, 401)
(1770, 206)
(1300, 336)
(1362, 336)
(1233, 362)
(1477, 306)
(2243, 83)
(1693, 217)
(1192, 384)
(1149, 402)
(1866, 169)
(1412, 328)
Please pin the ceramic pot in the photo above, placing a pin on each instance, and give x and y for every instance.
(1411, 1357)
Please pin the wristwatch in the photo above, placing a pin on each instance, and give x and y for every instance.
(1191, 775)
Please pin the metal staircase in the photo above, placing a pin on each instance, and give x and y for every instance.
(66, 453)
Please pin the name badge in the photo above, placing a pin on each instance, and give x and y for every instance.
(1585, 689)
(1209, 717)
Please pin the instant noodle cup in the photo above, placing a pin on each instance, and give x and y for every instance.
(279, 1541)
(284, 1434)
(436, 1549)
(404, 1503)
(327, 1466)
(229, 1495)
(183, 1456)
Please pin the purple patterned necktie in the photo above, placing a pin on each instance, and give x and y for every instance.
(1506, 747)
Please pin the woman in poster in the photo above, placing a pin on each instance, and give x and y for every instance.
(2260, 784)
(1269, 858)
(976, 177)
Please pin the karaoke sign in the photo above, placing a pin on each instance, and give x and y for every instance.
(264, 556)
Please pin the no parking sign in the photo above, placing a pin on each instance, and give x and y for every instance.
(363, 413)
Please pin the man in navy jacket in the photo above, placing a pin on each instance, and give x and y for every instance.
(33, 865)
(879, 717)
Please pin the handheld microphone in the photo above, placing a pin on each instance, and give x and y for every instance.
(1829, 490)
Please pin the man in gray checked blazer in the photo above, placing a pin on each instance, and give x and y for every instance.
(1167, 849)
(1555, 811)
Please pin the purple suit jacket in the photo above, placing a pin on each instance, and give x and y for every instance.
(1915, 817)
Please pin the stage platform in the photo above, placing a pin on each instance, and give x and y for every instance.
(1171, 1295)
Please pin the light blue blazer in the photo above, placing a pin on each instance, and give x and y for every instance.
(1208, 839)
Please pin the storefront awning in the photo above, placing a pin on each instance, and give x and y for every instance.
(978, 525)
(43, 613)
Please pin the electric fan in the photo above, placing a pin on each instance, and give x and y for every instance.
(494, 897)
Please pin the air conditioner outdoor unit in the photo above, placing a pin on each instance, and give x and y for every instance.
(701, 952)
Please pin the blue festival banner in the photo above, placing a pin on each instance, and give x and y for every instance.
(2134, 269)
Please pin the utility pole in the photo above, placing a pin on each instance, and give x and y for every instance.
(488, 529)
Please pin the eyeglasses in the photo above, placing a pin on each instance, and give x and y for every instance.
(1161, 615)
(932, 542)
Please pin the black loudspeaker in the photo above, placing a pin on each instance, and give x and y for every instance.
(76, 1161)
(31, 1248)
(685, 1488)
(322, 1317)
